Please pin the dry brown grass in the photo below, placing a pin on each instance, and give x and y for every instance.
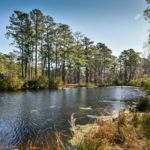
(125, 133)
(49, 142)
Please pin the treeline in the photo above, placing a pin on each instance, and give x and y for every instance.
(51, 50)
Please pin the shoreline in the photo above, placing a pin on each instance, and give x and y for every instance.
(67, 86)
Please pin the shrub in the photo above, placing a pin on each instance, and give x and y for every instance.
(4, 84)
(56, 83)
(15, 83)
(32, 84)
(82, 84)
(11, 83)
(143, 104)
(142, 82)
(40, 83)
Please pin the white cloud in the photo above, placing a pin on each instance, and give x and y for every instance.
(138, 16)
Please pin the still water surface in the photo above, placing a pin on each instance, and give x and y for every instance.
(28, 113)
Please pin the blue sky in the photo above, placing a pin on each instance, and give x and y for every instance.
(117, 23)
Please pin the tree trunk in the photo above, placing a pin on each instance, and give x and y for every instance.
(22, 65)
(63, 71)
(49, 65)
(56, 63)
(87, 74)
(78, 74)
(36, 47)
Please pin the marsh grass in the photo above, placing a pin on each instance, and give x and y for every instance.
(145, 123)
(135, 120)
(127, 132)
(48, 142)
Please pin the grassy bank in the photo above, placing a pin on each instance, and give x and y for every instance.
(130, 131)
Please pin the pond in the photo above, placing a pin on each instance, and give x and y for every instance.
(28, 113)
